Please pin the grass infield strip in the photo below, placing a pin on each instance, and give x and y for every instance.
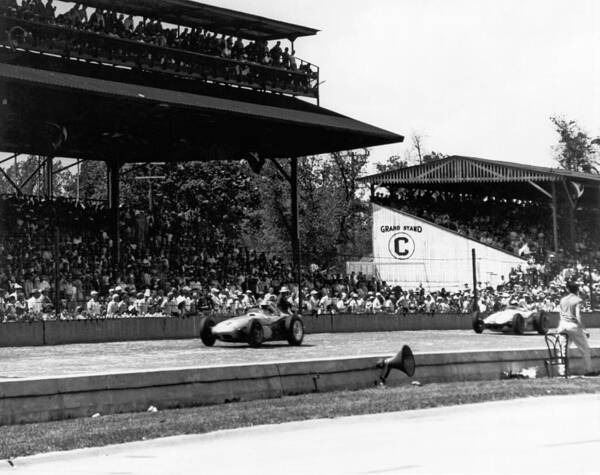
(31, 439)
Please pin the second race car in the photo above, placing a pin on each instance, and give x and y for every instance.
(254, 327)
(513, 318)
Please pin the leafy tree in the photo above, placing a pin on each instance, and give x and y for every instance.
(575, 150)
(433, 157)
(23, 172)
(219, 195)
(394, 162)
(334, 222)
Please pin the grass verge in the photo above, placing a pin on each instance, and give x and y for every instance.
(31, 439)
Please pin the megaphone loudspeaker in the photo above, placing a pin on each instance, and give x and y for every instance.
(404, 361)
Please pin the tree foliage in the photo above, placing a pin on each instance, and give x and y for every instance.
(334, 221)
(28, 174)
(576, 151)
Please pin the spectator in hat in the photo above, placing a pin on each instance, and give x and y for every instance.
(248, 300)
(93, 306)
(352, 303)
(112, 310)
(312, 303)
(34, 303)
(10, 310)
(283, 300)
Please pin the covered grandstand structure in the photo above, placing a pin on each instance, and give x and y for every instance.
(59, 99)
(565, 193)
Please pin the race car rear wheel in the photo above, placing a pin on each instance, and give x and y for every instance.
(518, 324)
(295, 331)
(206, 334)
(256, 334)
(542, 322)
(478, 324)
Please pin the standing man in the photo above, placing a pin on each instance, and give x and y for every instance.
(570, 323)
(93, 307)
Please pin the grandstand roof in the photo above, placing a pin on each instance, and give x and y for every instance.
(141, 123)
(458, 169)
(199, 15)
(460, 174)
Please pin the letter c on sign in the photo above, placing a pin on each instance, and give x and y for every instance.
(401, 246)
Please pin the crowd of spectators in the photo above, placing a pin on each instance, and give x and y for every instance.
(112, 24)
(171, 266)
(520, 227)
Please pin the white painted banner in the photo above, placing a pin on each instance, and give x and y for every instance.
(409, 251)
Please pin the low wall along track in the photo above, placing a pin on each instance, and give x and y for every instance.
(136, 329)
(55, 382)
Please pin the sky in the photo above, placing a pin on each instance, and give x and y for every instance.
(474, 77)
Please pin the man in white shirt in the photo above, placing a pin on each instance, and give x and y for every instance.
(570, 323)
(34, 303)
(93, 307)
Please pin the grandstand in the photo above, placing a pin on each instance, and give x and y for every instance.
(135, 82)
(544, 215)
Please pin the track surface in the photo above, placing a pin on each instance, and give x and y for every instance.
(533, 436)
(32, 362)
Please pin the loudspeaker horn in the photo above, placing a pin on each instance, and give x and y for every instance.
(404, 361)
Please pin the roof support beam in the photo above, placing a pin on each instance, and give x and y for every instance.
(14, 155)
(554, 217)
(34, 173)
(571, 211)
(282, 171)
(10, 180)
(78, 162)
(540, 189)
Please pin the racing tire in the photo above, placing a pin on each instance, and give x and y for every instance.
(542, 322)
(518, 324)
(294, 328)
(256, 334)
(478, 325)
(206, 334)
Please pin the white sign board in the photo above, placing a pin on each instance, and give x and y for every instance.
(409, 251)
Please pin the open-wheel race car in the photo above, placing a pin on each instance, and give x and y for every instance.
(513, 318)
(254, 327)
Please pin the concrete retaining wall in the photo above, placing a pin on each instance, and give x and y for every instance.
(132, 329)
(30, 400)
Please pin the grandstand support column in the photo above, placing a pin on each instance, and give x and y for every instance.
(49, 194)
(296, 228)
(554, 217)
(475, 293)
(598, 209)
(48, 178)
(113, 169)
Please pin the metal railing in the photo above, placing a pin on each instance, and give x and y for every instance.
(71, 43)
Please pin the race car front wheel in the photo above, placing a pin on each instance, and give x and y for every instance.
(518, 324)
(478, 324)
(256, 334)
(206, 334)
(295, 331)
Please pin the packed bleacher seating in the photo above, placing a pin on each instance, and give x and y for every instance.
(169, 268)
(520, 227)
(251, 62)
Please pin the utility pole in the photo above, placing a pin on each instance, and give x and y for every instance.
(150, 179)
(475, 293)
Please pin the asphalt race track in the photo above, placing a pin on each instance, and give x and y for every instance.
(533, 436)
(31, 362)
